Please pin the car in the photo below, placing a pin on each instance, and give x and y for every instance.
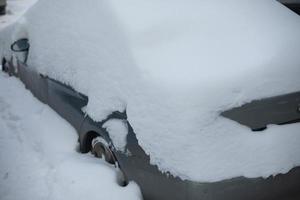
(2, 7)
(136, 165)
(204, 109)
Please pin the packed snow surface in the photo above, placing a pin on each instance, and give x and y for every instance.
(38, 157)
(174, 66)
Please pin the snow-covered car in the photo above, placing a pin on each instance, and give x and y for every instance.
(197, 100)
(2, 7)
(135, 163)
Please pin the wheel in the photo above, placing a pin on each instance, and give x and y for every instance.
(101, 149)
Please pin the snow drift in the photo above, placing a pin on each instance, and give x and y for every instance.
(174, 66)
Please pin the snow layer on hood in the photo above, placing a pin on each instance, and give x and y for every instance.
(174, 66)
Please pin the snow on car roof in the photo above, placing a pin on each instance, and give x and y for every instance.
(174, 66)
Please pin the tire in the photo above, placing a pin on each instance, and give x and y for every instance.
(101, 149)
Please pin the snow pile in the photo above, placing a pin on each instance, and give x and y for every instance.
(174, 66)
(117, 130)
(38, 157)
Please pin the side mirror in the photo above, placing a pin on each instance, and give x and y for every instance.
(20, 45)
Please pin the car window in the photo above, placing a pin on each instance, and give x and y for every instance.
(280, 110)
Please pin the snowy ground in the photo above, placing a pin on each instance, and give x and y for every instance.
(38, 157)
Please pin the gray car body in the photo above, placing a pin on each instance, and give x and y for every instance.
(154, 184)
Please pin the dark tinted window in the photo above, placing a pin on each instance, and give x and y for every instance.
(294, 5)
(258, 114)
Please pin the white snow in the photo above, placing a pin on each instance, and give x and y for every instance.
(14, 10)
(118, 131)
(174, 66)
(38, 157)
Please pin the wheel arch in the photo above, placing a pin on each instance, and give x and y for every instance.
(86, 140)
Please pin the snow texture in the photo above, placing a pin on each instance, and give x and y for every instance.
(14, 10)
(174, 66)
(118, 131)
(38, 154)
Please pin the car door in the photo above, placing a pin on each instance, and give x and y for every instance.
(67, 102)
(35, 82)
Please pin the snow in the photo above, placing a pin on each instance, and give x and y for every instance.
(14, 10)
(174, 66)
(38, 154)
(118, 131)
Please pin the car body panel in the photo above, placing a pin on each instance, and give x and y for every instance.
(34, 81)
(277, 187)
(67, 102)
